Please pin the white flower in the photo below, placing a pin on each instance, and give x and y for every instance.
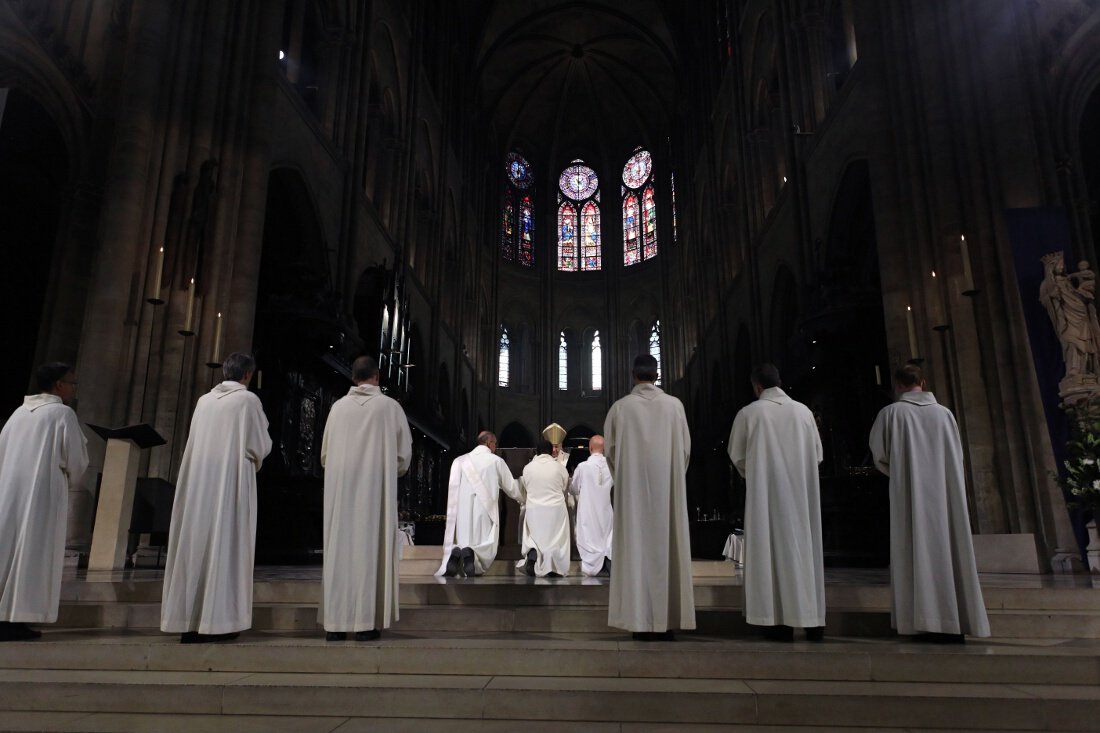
(1088, 461)
(1096, 484)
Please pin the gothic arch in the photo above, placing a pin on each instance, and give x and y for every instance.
(516, 435)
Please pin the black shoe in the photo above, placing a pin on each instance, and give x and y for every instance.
(454, 564)
(221, 638)
(929, 637)
(18, 632)
(815, 633)
(469, 569)
(367, 635)
(778, 633)
(336, 636)
(653, 636)
(605, 571)
(189, 637)
(532, 558)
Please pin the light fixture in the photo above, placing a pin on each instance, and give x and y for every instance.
(282, 54)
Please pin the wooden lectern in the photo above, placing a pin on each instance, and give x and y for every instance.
(116, 492)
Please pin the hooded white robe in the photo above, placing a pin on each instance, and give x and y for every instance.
(43, 455)
(546, 519)
(647, 446)
(592, 486)
(933, 577)
(473, 509)
(212, 537)
(367, 445)
(775, 445)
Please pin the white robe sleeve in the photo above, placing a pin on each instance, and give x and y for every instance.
(510, 486)
(75, 460)
(879, 443)
(610, 448)
(575, 482)
(404, 443)
(258, 440)
(738, 447)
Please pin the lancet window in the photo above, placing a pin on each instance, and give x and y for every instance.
(517, 212)
(639, 209)
(579, 245)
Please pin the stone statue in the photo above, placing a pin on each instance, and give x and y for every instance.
(1070, 302)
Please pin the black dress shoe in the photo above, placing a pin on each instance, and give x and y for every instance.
(605, 571)
(469, 569)
(929, 637)
(532, 558)
(815, 633)
(336, 635)
(220, 638)
(778, 633)
(454, 564)
(18, 632)
(190, 637)
(368, 635)
(653, 636)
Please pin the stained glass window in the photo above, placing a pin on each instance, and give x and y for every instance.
(507, 227)
(563, 363)
(526, 226)
(649, 230)
(631, 245)
(637, 169)
(597, 363)
(517, 223)
(578, 181)
(567, 237)
(639, 209)
(519, 171)
(590, 231)
(655, 346)
(503, 362)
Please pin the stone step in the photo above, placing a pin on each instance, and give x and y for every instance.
(515, 591)
(874, 704)
(694, 656)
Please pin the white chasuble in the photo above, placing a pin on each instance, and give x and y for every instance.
(367, 445)
(473, 511)
(546, 519)
(647, 446)
(933, 576)
(212, 537)
(775, 445)
(43, 455)
(592, 486)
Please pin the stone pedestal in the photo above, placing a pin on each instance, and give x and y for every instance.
(1093, 549)
(116, 493)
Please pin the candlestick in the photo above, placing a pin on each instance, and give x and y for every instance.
(878, 376)
(259, 380)
(912, 331)
(968, 274)
(187, 330)
(155, 299)
(214, 360)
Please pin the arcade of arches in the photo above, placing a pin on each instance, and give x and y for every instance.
(506, 202)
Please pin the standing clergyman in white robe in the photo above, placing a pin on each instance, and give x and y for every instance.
(775, 445)
(472, 534)
(545, 547)
(933, 576)
(43, 454)
(595, 518)
(367, 445)
(212, 538)
(647, 446)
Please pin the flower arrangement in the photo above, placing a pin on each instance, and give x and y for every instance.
(1082, 478)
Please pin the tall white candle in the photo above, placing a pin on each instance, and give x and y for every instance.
(912, 332)
(878, 376)
(160, 273)
(259, 379)
(217, 340)
(968, 274)
(190, 306)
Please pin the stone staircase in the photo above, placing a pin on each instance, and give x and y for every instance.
(503, 653)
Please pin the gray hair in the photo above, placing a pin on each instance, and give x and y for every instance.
(236, 365)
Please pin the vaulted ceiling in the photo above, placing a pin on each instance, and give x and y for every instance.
(572, 77)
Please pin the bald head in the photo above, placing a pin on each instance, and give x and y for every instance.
(595, 444)
(487, 439)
